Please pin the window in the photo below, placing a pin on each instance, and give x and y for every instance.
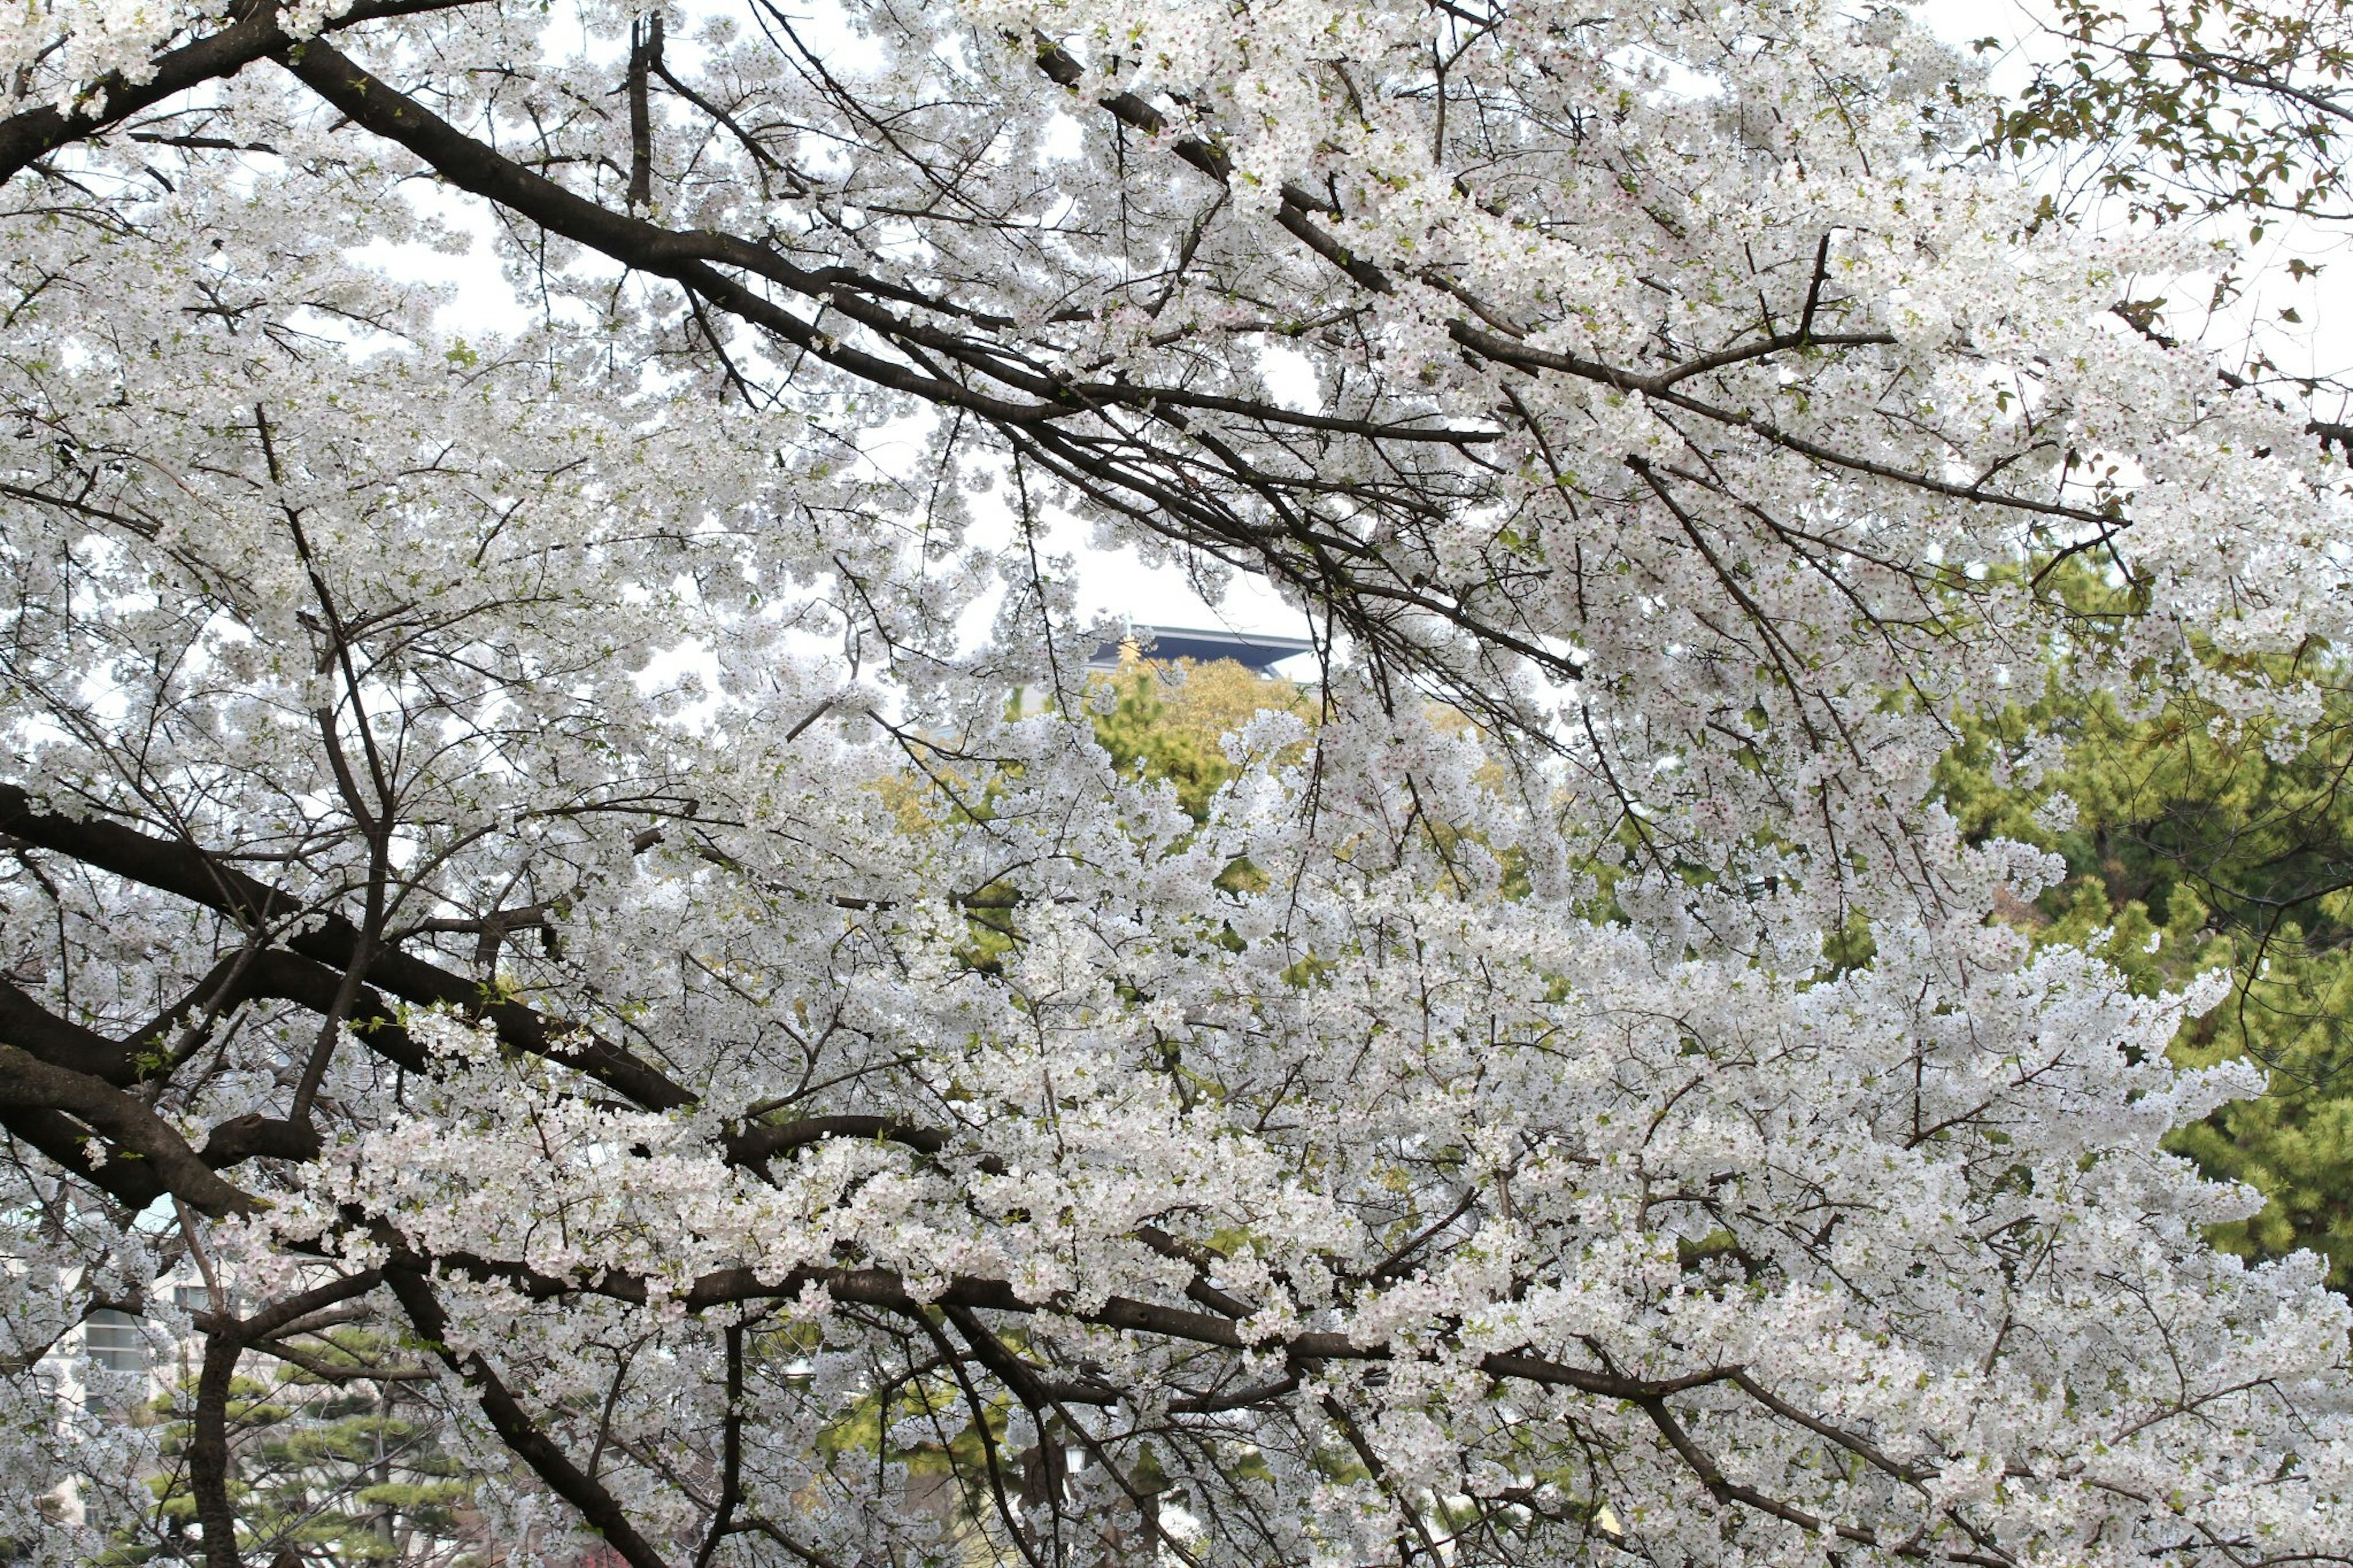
(115, 1341)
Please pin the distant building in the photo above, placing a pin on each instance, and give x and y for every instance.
(1252, 650)
(114, 1341)
(1255, 652)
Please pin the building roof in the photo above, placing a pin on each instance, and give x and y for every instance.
(1251, 650)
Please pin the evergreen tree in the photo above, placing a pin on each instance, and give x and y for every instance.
(338, 1461)
(2197, 840)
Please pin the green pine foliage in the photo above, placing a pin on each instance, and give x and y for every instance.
(337, 1467)
(2195, 841)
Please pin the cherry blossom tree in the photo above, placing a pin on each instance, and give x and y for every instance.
(516, 840)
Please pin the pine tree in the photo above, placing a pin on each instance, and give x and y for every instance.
(2195, 840)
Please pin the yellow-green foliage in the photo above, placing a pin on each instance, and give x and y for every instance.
(1169, 720)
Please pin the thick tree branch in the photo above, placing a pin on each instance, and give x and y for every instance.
(253, 34)
(516, 1428)
(30, 1084)
(226, 1339)
(329, 940)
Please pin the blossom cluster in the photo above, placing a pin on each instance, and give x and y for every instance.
(520, 830)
